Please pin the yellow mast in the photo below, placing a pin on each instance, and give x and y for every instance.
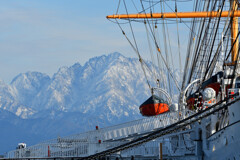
(234, 33)
(234, 13)
(176, 15)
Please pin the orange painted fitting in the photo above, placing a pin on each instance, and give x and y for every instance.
(234, 33)
(176, 15)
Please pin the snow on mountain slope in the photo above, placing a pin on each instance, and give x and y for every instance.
(106, 90)
(10, 102)
(110, 86)
(27, 86)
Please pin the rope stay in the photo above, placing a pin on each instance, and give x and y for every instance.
(203, 53)
(152, 36)
(221, 105)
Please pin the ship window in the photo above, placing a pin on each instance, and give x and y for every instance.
(237, 83)
(217, 126)
(208, 132)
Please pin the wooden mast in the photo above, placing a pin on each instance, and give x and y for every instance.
(234, 13)
(234, 32)
(176, 15)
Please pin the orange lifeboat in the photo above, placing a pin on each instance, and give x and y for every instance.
(154, 106)
(194, 101)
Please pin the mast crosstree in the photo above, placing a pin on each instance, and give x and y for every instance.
(177, 15)
(234, 14)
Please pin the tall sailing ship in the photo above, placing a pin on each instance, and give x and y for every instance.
(194, 110)
(211, 75)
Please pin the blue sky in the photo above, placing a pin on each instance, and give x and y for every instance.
(43, 35)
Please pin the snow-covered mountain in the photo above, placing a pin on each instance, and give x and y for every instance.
(106, 90)
(110, 86)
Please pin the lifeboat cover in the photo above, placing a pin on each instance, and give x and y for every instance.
(153, 106)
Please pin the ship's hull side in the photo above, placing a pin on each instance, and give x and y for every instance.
(225, 143)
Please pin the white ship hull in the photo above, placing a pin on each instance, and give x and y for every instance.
(225, 143)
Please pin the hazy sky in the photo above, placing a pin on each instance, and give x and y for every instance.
(43, 35)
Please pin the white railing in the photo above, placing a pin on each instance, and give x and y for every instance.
(88, 143)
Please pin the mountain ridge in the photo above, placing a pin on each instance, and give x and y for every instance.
(104, 91)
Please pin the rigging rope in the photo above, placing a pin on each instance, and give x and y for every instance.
(179, 49)
(167, 130)
(213, 41)
(119, 2)
(158, 49)
(136, 51)
(166, 51)
(151, 52)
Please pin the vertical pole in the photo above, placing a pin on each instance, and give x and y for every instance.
(160, 156)
(49, 152)
(234, 32)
